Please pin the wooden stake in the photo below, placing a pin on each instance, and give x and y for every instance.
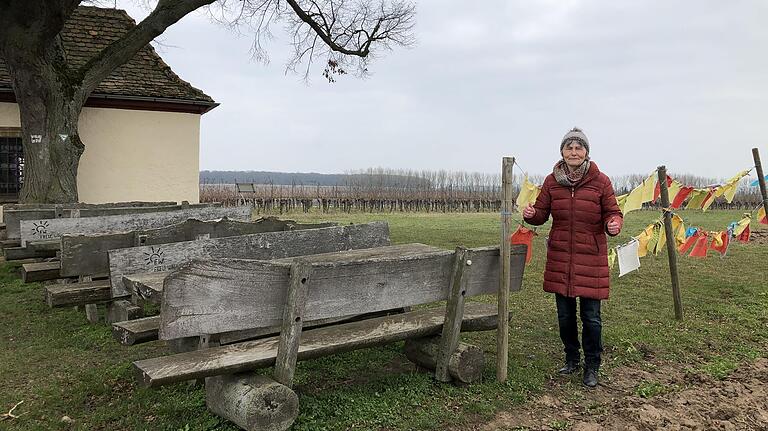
(502, 333)
(671, 246)
(760, 178)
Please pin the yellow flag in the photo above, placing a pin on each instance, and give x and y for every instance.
(678, 229)
(649, 187)
(696, 198)
(717, 238)
(761, 215)
(674, 189)
(662, 241)
(728, 190)
(611, 258)
(742, 224)
(621, 200)
(528, 194)
(708, 201)
(635, 200)
(643, 239)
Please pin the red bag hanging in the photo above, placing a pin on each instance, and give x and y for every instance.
(700, 249)
(523, 236)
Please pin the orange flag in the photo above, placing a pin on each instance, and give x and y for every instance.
(744, 235)
(523, 236)
(680, 197)
(700, 249)
(761, 216)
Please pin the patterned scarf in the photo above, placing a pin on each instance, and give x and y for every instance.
(567, 178)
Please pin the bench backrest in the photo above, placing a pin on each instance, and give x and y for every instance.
(38, 229)
(83, 254)
(271, 245)
(245, 188)
(220, 295)
(13, 215)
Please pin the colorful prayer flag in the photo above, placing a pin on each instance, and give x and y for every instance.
(528, 194)
(700, 249)
(523, 236)
(680, 196)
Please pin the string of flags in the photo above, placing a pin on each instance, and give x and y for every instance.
(649, 191)
(693, 241)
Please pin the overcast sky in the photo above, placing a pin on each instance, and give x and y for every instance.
(680, 83)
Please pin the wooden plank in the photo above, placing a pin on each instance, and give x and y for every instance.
(293, 317)
(14, 215)
(45, 245)
(136, 331)
(319, 342)
(16, 253)
(268, 245)
(31, 272)
(449, 339)
(87, 253)
(146, 329)
(54, 228)
(222, 295)
(66, 295)
(147, 286)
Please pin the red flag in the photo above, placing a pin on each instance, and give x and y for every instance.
(744, 236)
(688, 243)
(681, 195)
(724, 237)
(657, 191)
(523, 236)
(700, 249)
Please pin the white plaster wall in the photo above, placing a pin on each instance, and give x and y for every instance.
(133, 155)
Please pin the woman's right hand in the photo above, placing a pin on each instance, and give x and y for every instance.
(529, 211)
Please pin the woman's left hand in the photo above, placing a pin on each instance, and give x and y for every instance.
(614, 227)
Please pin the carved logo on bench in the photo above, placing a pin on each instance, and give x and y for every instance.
(155, 259)
(40, 230)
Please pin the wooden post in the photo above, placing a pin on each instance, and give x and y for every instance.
(293, 319)
(671, 246)
(454, 312)
(502, 332)
(760, 178)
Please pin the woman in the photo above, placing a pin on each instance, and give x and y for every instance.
(583, 206)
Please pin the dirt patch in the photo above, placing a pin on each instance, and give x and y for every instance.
(658, 396)
(759, 236)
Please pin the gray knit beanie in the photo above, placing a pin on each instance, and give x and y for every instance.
(575, 134)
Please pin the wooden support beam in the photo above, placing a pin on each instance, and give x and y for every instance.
(671, 247)
(454, 311)
(17, 253)
(465, 364)
(293, 319)
(505, 269)
(262, 353)
(122, 310)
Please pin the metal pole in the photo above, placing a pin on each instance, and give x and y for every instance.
(760, 178)
(671, 246)
(502, 332)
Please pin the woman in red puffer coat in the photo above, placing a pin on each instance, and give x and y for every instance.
(583, 207)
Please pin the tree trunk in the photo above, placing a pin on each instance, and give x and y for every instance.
(49, 120)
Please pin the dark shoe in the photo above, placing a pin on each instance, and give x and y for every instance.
(590, 377)
(570, 367)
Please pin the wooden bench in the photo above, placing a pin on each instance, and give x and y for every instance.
(133, 274)
(206, 298)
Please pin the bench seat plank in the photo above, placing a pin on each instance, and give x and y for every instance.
(31, 272)
(319, 342)
(88, 292)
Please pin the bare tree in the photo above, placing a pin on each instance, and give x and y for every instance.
(51, 93)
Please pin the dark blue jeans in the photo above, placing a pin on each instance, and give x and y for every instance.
(591, 329)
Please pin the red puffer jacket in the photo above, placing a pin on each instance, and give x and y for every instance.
(577, 253)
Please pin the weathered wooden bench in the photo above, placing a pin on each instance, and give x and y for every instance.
(134, 274)
(209, 297)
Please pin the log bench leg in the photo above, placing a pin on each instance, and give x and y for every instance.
(252, 402)
(92, 313)
(465, 364)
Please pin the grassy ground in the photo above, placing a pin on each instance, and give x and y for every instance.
(61, 366)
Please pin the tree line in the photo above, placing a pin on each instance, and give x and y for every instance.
(390, 190)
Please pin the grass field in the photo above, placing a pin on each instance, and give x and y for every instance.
(61, 366)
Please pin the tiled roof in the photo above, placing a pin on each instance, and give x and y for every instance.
(89, 30)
